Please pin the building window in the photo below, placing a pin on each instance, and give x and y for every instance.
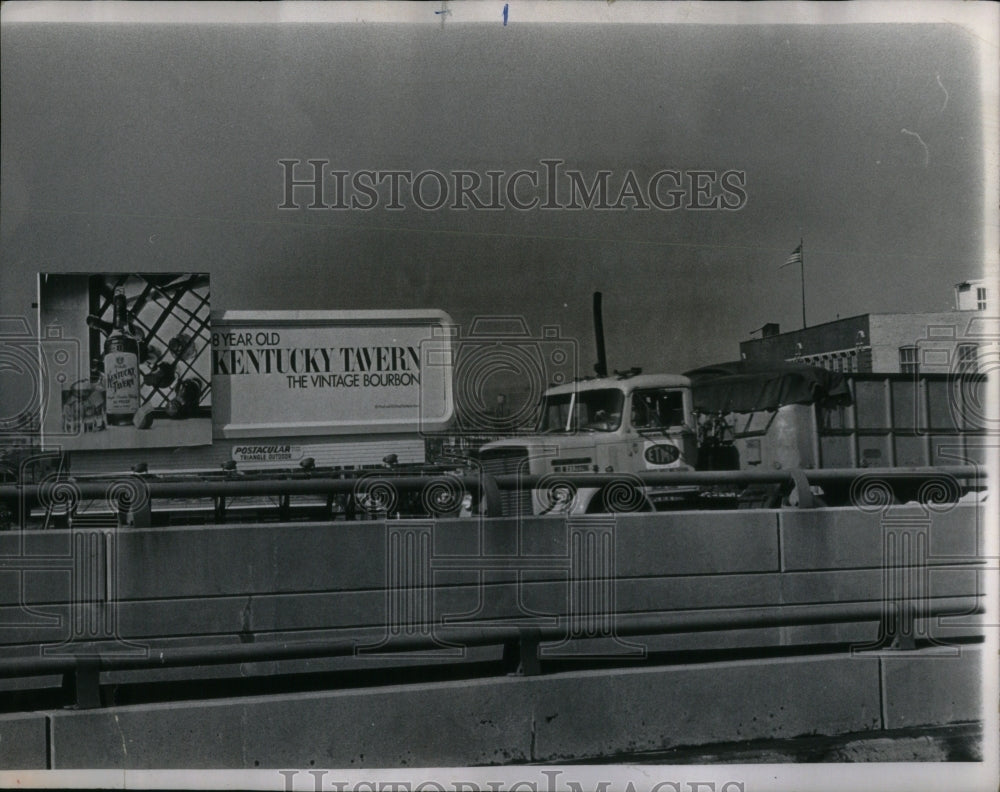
(967, 358)
(980, 299)
(908, 360)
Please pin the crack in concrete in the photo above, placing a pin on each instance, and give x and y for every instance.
(124, 751)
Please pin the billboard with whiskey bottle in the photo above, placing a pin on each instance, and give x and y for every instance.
(145, 340)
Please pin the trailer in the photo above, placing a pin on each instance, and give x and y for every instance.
(741, 419)
(794, 416)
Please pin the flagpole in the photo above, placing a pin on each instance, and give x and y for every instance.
(802, 275)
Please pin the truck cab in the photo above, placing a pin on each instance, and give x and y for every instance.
(625, 424)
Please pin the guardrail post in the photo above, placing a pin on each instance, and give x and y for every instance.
(137, 510)
(10, 514)
(82, 685)
(520, 654)
(121, 507)
(491, 495)
(806, 498)
(142, 517)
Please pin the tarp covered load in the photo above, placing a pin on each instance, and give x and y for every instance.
(746, 387)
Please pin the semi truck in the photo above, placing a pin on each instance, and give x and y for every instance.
(735, 416)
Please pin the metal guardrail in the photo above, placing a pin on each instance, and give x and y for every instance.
(799, 479)
(81, 672)
(752, 476)
(132, 492)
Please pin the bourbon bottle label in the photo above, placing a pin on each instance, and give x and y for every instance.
(122, 383)
(121, 368)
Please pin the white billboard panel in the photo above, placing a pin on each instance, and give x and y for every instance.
(322, 372)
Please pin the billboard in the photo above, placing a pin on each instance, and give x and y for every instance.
(289, 373)
(129, 360)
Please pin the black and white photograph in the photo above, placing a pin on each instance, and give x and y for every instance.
(499, 395)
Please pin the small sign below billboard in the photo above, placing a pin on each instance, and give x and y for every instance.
(267, 453)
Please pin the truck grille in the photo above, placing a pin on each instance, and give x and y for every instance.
(504, 461)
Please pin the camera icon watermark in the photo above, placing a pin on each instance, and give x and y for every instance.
(38, 375)
(500, 371)
(968, 354)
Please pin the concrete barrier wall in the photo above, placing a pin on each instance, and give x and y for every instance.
(24, 741)
(202, 584)
(560, 717)
(205, 585)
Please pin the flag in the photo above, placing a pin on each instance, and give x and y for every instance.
(795, 258)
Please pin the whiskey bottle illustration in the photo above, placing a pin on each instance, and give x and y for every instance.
(121, 367)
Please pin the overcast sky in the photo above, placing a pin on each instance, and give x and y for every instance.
(152, 147)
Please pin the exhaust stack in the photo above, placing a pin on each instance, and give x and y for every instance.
(601, 366)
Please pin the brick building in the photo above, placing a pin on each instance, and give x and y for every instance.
(887, 343)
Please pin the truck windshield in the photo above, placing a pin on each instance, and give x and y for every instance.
(589, 411)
